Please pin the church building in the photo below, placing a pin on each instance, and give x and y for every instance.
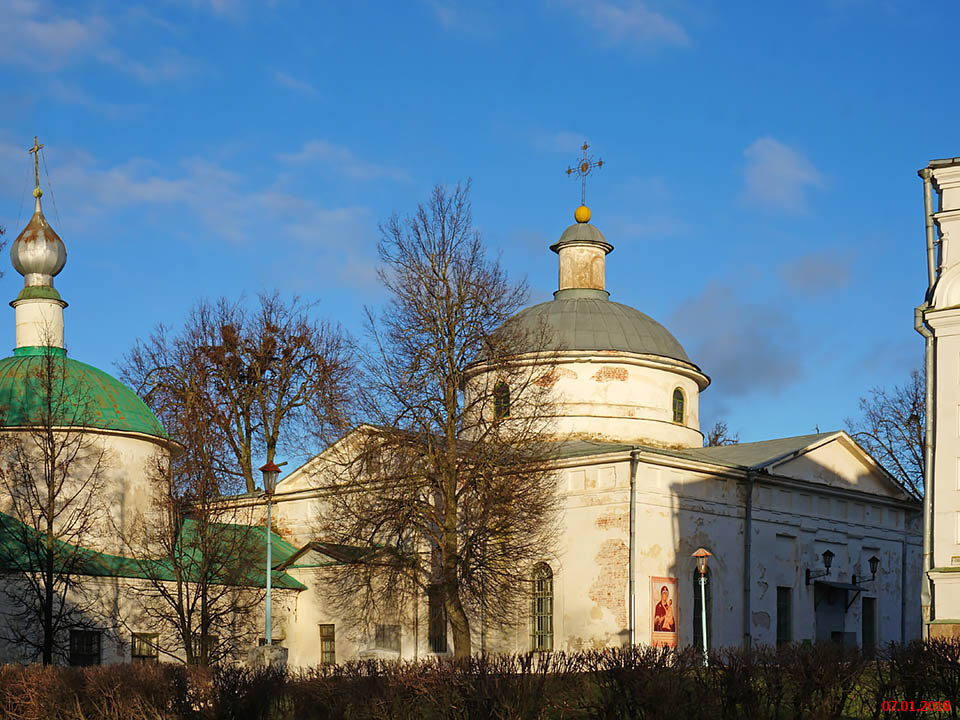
(809, 538)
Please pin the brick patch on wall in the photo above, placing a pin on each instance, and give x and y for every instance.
(609, 590)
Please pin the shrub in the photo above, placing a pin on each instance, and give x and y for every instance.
(802, 682)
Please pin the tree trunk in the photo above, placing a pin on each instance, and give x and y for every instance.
(459, 621)
(451, 590)
(48, 566)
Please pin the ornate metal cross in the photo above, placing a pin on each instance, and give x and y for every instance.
(582, 169)
(35, 150)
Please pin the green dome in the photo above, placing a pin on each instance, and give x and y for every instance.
(587, 320)
(90, 397)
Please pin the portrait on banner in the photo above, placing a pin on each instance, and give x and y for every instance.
(663, 611)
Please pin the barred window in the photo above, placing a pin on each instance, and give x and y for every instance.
(143, 648)
(387, 637)
(678, 405)
(328, 644)
(501, 400)
(438, 619)
(541, 611)
(85, 647)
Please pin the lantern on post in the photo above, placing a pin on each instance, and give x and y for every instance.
(270, 473)
(701, 555)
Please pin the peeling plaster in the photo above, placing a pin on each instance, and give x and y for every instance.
(610, 586)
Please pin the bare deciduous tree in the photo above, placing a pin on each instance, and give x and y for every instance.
(720, 434)
(273, 378)
(891, 427)
(51, 473)
(200, 558)
(450, 488)
(200, 564)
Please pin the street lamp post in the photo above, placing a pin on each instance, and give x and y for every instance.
(701, 555)
(270, 473)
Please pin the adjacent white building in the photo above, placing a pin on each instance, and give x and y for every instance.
(938, 319)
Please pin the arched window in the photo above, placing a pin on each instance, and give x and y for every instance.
(501, 400)
(541, 610)
(697, 612)
(678, 405)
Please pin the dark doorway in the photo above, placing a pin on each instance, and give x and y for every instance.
(868, 621)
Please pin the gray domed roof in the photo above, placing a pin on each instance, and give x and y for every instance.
(586, 320)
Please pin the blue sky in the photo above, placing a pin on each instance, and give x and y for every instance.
(759, 183)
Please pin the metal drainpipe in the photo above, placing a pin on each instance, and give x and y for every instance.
(926, 591)
(747, 546)
(903, 582)
(927, 175)
(632, 560)
(920, 325)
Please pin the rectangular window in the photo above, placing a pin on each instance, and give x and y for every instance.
(85, 647)
(143, 648)
(784, 615)
(868, 619)
(438, 619)
(328, 645)
(387, 637)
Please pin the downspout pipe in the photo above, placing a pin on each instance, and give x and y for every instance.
(903, 585)
(632, 590)
(921, 326)
(747, 548)
(926, 591)
(927, 175)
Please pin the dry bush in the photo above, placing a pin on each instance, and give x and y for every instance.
(805, 682)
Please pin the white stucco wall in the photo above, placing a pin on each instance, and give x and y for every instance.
(620, 397)
(943, 317)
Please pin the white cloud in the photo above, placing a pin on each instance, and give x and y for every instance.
(344, 161)
(74, 95)
(299, 86)
(630, 21)
(778, 176)
(34, 35)
(173, 64)
(817, 274)
(223, 200)
(473, 17)
(559, 141)
(746, 346)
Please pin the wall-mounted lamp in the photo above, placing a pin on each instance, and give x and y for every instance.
(874, 564)
(827, 562)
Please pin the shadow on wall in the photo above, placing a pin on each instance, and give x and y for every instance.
(790, 530)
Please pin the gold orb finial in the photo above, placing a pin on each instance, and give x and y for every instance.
(37, 192)
(582, 214)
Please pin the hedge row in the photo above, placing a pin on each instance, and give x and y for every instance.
(799, 681)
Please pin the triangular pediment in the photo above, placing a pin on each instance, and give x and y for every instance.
(332, 459)
(838, 461)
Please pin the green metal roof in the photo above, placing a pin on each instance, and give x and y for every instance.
(18, 543)
(82, 394)
(587, 320)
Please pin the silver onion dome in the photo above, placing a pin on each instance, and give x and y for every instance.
(38, 253)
